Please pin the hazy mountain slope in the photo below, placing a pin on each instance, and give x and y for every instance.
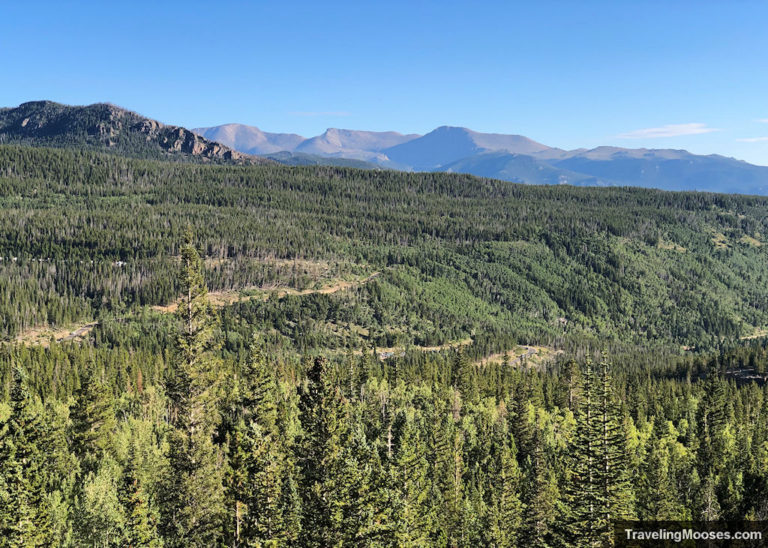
(669, 170)
(336, 140)
(250, 139)
(509, 157)
(449, 144)
(108, 127)
(361, 145)
(303, 159)
(519, 168)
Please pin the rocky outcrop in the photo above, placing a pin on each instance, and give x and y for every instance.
(45, 123)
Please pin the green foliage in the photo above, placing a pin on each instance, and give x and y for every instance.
(93, 422)
(598, 489)
(193, 502)
(24, 507)
(177, 430)
(458, 256)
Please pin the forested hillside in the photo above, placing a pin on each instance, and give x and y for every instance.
(164, 437)
(84, 235)
(317, 356)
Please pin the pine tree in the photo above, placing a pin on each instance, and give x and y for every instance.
(323, 452)
(522, 423)
(570, 381)
(290, 504)
(59, 463)
(255, 455)
(464, 378)
(708, 505)
(193, 491)
(93, 421)
(506, 508)
(258, 388)
(710, 423)
(24, 507)
(616, 496)
(100, 516)
(238, 482)
(582, 490)
(410, 484)
(364, 518)
(264, 501)
(447, 477)
(598, 488)
(656, 493)
(540, 497)
(140, 527)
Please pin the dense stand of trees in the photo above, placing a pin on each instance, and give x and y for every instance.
(86, 235)
(274, 422)
(195, 445)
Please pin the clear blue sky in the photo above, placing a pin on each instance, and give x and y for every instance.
(570, 74)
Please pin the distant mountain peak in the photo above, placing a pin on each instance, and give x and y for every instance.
(250, 139)
(508, 157)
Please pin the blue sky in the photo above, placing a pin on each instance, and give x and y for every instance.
(662, 74)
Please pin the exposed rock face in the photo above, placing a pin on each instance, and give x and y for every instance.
(45, 123)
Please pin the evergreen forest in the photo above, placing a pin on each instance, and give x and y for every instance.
(262, 355)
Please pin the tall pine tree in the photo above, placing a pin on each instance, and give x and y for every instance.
(193, 492)
(24, 507)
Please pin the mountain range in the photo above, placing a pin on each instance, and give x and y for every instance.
(507, 157)
(451, 149)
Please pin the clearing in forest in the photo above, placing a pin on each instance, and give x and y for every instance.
(228, 297)
(533, 355)
(43, 335)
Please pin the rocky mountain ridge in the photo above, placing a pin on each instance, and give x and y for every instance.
(106, 126)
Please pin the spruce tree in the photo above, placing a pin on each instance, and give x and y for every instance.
(24, 507)
(656, 492)
(326, 435)
(140, 527)
(540, 497)
(93, 421)
(598, 487)
(464, 378)
(256, 456)
(506, 508)
(710, 423)
(447, 465)
(616, 495)
(193, 492)
(409, 482)
(570, 384)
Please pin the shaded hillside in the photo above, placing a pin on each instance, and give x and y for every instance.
(303, 159)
